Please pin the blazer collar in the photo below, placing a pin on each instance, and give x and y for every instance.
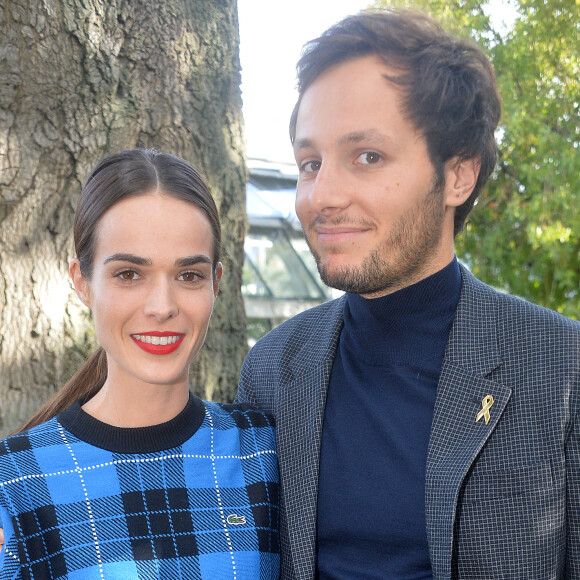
(472, 353)
(299, 429)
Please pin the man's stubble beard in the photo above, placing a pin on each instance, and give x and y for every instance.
(399, 260)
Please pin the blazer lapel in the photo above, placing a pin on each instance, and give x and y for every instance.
(456, 440)
(456, 437)
(299, 430)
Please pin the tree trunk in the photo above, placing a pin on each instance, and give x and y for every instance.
(79, 80)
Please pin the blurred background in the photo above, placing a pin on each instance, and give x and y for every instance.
(523, 237)
(214, 82)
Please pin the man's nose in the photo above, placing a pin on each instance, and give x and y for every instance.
(328, 193)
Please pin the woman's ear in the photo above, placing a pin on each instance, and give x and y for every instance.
(460, 179)
(79, 282)
(217, 277)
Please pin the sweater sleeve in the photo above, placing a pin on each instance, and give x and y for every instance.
(9, 562)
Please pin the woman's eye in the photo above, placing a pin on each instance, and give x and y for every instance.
(127, 275)
(369, 158)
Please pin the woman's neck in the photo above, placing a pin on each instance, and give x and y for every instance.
(139, 405)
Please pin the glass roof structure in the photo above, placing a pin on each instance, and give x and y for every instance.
(280, 277)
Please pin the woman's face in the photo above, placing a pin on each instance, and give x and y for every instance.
(152, 288)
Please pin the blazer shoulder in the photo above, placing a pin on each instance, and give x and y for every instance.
(298, 344)
(315, 325)
(516, 319)
(528, 311)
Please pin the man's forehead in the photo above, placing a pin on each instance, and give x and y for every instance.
(346, 76)
(365, 76)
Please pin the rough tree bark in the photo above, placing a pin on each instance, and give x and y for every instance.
(78, 80)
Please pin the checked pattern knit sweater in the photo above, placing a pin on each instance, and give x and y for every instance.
(196, 497)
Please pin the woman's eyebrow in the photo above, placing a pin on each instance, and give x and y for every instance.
(131, 258)
(140, 261)
(192, 260)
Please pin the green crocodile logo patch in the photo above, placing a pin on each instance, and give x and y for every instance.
(236, 520)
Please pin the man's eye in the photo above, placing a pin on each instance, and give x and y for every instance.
(369, 158)
(189, 277)
(311, 166)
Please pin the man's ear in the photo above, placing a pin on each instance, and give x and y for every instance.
(460, 179)
(217, 277)
(79, 282)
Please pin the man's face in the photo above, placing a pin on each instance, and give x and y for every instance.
(373, 211)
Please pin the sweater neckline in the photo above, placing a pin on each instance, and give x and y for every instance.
(433, 296)
(150, 439)
(407, 327)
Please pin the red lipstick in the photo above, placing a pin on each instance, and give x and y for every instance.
(158, 342)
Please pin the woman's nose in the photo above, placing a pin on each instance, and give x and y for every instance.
(160, 301)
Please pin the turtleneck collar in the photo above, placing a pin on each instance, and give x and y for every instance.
(407, 325)
(150, 439)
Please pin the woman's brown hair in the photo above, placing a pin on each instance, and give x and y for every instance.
(126, 174)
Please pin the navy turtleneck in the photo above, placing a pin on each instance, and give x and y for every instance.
(377, 422)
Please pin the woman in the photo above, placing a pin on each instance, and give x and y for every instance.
(125, 474)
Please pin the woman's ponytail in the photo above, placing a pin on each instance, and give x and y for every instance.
(84, 384)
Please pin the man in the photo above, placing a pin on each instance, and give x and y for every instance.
(427, 425)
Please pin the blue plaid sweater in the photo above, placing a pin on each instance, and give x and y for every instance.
(196, 497)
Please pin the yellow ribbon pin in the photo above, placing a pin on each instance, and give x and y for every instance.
(486, 404)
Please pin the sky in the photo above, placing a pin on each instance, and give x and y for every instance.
(272, 33)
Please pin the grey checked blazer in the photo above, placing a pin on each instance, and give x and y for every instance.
(502, 499)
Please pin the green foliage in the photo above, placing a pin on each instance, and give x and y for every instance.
(524, 234)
